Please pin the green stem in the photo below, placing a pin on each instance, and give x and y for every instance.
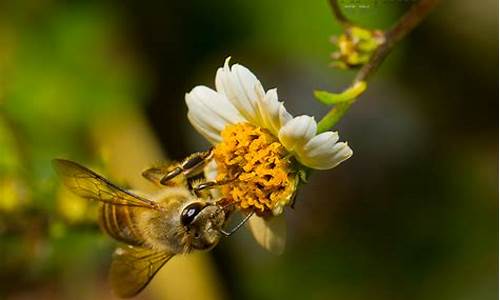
(333, 116)
(405, 25)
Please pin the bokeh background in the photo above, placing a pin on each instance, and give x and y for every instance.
(412, 215)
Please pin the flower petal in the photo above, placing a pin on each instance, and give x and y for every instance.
(285, 116)
(270, 111)
(297, 132)
(209, 112)
(242, 88)
(323, 152)
(210, 172)
(211, 135)
(321, 143)
(270, 233)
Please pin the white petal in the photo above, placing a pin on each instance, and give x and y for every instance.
(323, 152)
(211, 135)
(241, 87)
(210, 172)
(210, 112)
(321, 143)
(284, 115)
(269, 108)
(297, 132)
(270, 233)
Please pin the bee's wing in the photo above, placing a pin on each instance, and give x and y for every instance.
(87, 184)
(270, 233)
(134, 267)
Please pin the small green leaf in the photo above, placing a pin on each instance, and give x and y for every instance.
(346, 96)
(303, 174)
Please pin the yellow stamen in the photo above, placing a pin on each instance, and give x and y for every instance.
(260, 172)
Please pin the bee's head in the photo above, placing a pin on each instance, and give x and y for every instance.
(203, 222)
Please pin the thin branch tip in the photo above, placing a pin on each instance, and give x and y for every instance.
(411, 19)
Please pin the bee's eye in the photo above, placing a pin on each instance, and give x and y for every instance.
(190, 212)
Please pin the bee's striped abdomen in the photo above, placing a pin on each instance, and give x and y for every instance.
(118, 221)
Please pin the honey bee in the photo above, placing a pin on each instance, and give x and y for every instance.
(154, 228)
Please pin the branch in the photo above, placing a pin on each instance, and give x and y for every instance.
(405, 25)
(337, 12)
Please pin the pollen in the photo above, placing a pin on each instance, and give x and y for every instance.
(257, 168)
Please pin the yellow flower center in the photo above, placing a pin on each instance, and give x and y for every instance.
(259, 171)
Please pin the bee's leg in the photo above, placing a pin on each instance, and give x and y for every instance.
(211, 184)
(198, 188)
(190, 166)
(155, 174)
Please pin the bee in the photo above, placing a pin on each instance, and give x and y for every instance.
(153, 228)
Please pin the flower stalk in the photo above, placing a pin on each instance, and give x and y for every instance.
(403, 26)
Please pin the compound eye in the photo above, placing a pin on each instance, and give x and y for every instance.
(190, 212)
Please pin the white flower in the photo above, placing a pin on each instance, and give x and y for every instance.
(240, 98)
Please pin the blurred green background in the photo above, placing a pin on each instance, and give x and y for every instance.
(412, 215)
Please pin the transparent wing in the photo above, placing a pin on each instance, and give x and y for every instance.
(134, 267)
(270, 233)
(87, 184)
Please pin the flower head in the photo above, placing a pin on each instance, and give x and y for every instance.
(259, 147)
(266, 177)
(356, 46)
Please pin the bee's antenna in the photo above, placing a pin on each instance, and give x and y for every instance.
(228, 233)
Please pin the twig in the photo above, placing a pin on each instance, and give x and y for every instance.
(341, 18)
(405, 25)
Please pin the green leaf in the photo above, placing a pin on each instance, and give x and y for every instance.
(346, 96)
